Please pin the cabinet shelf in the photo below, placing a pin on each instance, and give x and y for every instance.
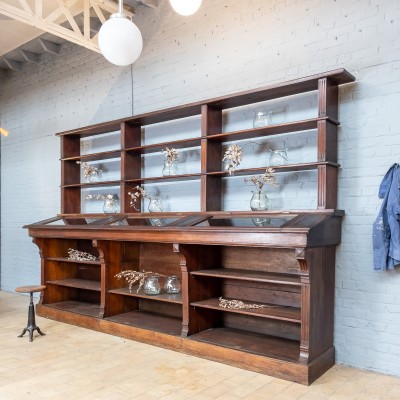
(77, 283)
(177, 178)
(289, 127)
(166, 297)
(105, 155)
(252, 276)
(77, 307)
(65, 259)
(281, 168)
(290, 314)
(150, 321)
(95, 184)
(249, 342)
(157, 147)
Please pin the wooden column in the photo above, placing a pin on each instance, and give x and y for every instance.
(131, 163)
(70, 174)
(327, 143)
(211, 156)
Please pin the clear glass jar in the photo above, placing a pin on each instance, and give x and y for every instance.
(110, 204)
(278, 157)
(172, 285)
(261, 119)
(156, 205)
(259, 202)
(170, 168)
(152, 285)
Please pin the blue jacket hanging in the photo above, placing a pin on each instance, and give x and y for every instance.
(386, 229)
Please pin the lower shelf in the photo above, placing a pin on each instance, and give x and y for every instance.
(77, 307)
(151, 321)
(254, 343)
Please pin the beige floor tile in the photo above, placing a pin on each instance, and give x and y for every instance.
(72, 363)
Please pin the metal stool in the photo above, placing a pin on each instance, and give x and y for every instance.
(31, 312)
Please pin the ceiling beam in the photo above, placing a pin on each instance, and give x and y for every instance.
(52, 22)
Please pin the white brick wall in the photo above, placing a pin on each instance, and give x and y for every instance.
(226, 47)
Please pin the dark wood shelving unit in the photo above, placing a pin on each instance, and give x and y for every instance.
(288, 265)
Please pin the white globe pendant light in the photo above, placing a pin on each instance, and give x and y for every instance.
(120, 40)
(185, 7)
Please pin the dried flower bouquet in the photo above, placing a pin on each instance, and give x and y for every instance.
(132, 276)
(260, 180)
(234, 156)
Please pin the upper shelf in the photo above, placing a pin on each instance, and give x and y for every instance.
(270, 92)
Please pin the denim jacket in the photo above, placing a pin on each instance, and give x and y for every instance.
(386, 229)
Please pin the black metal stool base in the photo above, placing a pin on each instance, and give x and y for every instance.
(31, 327)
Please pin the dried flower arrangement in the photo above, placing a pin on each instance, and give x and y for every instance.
(135, 196)
(260, 180)
(171, 155)
(133, 276)
(240, 305)
(234, 156)
(109, 197)
(76, 255)
(89, 170)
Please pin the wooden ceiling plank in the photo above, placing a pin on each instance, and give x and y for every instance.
(98, 12)
(86, 19)
(25, 6)
(69, 17)
(39, 8)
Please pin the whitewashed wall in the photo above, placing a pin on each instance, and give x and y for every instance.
(226, 47)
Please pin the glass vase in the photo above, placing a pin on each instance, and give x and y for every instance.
(110, 204)
(278, 157)
(95, 176)
(172, 285)
(261, 119)
(259, 202)
(170, 168)
(156, 205)
(152, 285)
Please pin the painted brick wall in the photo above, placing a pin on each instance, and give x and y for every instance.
(226, 47)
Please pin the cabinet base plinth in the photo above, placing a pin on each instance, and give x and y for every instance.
(284, 369)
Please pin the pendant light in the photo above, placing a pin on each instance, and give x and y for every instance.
(4, 132)
(185, 7)
(120, 40)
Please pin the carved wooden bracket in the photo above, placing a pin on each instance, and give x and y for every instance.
(301, 258)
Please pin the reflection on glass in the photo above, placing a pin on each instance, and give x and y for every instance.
(172, 285)
(152, 285)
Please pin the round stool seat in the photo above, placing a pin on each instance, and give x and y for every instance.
(30, 289)
(31, 326)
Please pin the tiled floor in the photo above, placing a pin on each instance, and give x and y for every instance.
(78, 364)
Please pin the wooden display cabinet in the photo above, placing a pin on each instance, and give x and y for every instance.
(287, 265)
